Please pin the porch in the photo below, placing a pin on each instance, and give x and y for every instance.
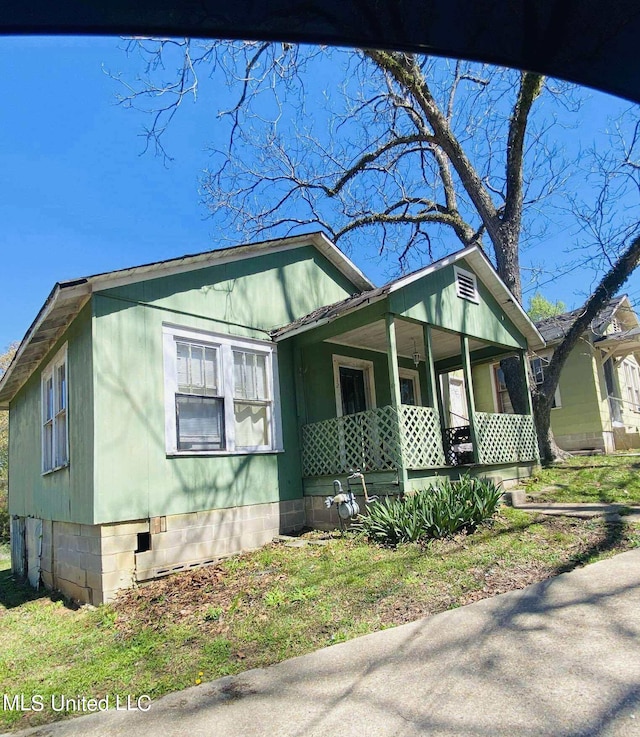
(411, 438)
(385, 381)
(435, 423)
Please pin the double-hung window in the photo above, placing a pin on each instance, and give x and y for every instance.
(251, 401)
(538, 365)
(199, 405)
(55, 432)
(632, 384)
(220, 393)
(503, 401)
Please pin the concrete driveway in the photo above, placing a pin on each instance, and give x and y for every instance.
(559, 658)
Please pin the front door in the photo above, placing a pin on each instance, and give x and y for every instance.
(352, 390)
(458, 412)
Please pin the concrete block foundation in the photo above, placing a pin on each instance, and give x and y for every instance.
(91, 563)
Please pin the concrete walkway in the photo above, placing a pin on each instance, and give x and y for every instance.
(559, 658)
(612, 512)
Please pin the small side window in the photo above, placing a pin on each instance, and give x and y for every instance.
(55, 432)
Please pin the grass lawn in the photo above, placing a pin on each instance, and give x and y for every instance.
(589, 479)
(259, 608)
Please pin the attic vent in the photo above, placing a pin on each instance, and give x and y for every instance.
(615, 325)
(466, 285)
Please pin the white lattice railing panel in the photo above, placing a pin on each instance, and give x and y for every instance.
(421, 437)
(369, 441)
(505, 438)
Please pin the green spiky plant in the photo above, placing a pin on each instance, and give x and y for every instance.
(439, 511)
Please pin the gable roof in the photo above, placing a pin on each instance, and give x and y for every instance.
(555, 328)
(474, 257)
(67, 298)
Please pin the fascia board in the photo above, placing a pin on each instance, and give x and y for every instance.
(136, 274)
(59, 295)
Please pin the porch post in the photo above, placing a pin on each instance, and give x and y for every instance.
(468, 388)
(525, 368)
(434, 399)
(396, 402)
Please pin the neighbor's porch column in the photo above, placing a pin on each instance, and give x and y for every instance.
(394, 381)
(468, 387)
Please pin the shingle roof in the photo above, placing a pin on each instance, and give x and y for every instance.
(477, 261)
(68, 297)
(329, 312)
(555, 328)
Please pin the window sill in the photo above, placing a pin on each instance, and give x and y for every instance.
(53, 470)
(219, 453)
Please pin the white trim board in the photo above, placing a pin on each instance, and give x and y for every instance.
(369, 379)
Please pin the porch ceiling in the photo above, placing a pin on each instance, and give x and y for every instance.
(409, 338)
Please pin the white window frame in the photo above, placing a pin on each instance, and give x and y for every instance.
(632, 383)
(545, 359)
(225, 344)
(472, 277)
(494, 383)
(59, 360)
(369, 384)
(495, 390)
(413, 375)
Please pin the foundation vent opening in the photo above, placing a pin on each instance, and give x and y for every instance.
(144, 542)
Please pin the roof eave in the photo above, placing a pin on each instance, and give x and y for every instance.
(81, 289)
(72, 294)
(145, 272)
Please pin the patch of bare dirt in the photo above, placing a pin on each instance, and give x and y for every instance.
(211, 595)
(207, 594)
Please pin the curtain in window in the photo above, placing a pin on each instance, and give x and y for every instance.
(250, 375)
(197, 367)
(200, 423)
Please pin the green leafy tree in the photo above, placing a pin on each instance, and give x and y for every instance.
(540, 307)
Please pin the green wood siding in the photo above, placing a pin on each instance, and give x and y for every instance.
(67, 494)
(319, 390)
(262, 293)
(433, 299)
(482, 376)
(580, 410)
(134, 476)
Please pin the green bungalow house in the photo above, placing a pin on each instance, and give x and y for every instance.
(168, 414)
(597, 403)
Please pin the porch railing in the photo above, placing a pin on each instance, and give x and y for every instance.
(383, 439)
(421, 437)
(379, 439)
(505, 438)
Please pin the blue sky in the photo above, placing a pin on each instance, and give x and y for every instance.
(77, 197)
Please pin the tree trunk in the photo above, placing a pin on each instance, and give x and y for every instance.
(516, 386)
(550, 451)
